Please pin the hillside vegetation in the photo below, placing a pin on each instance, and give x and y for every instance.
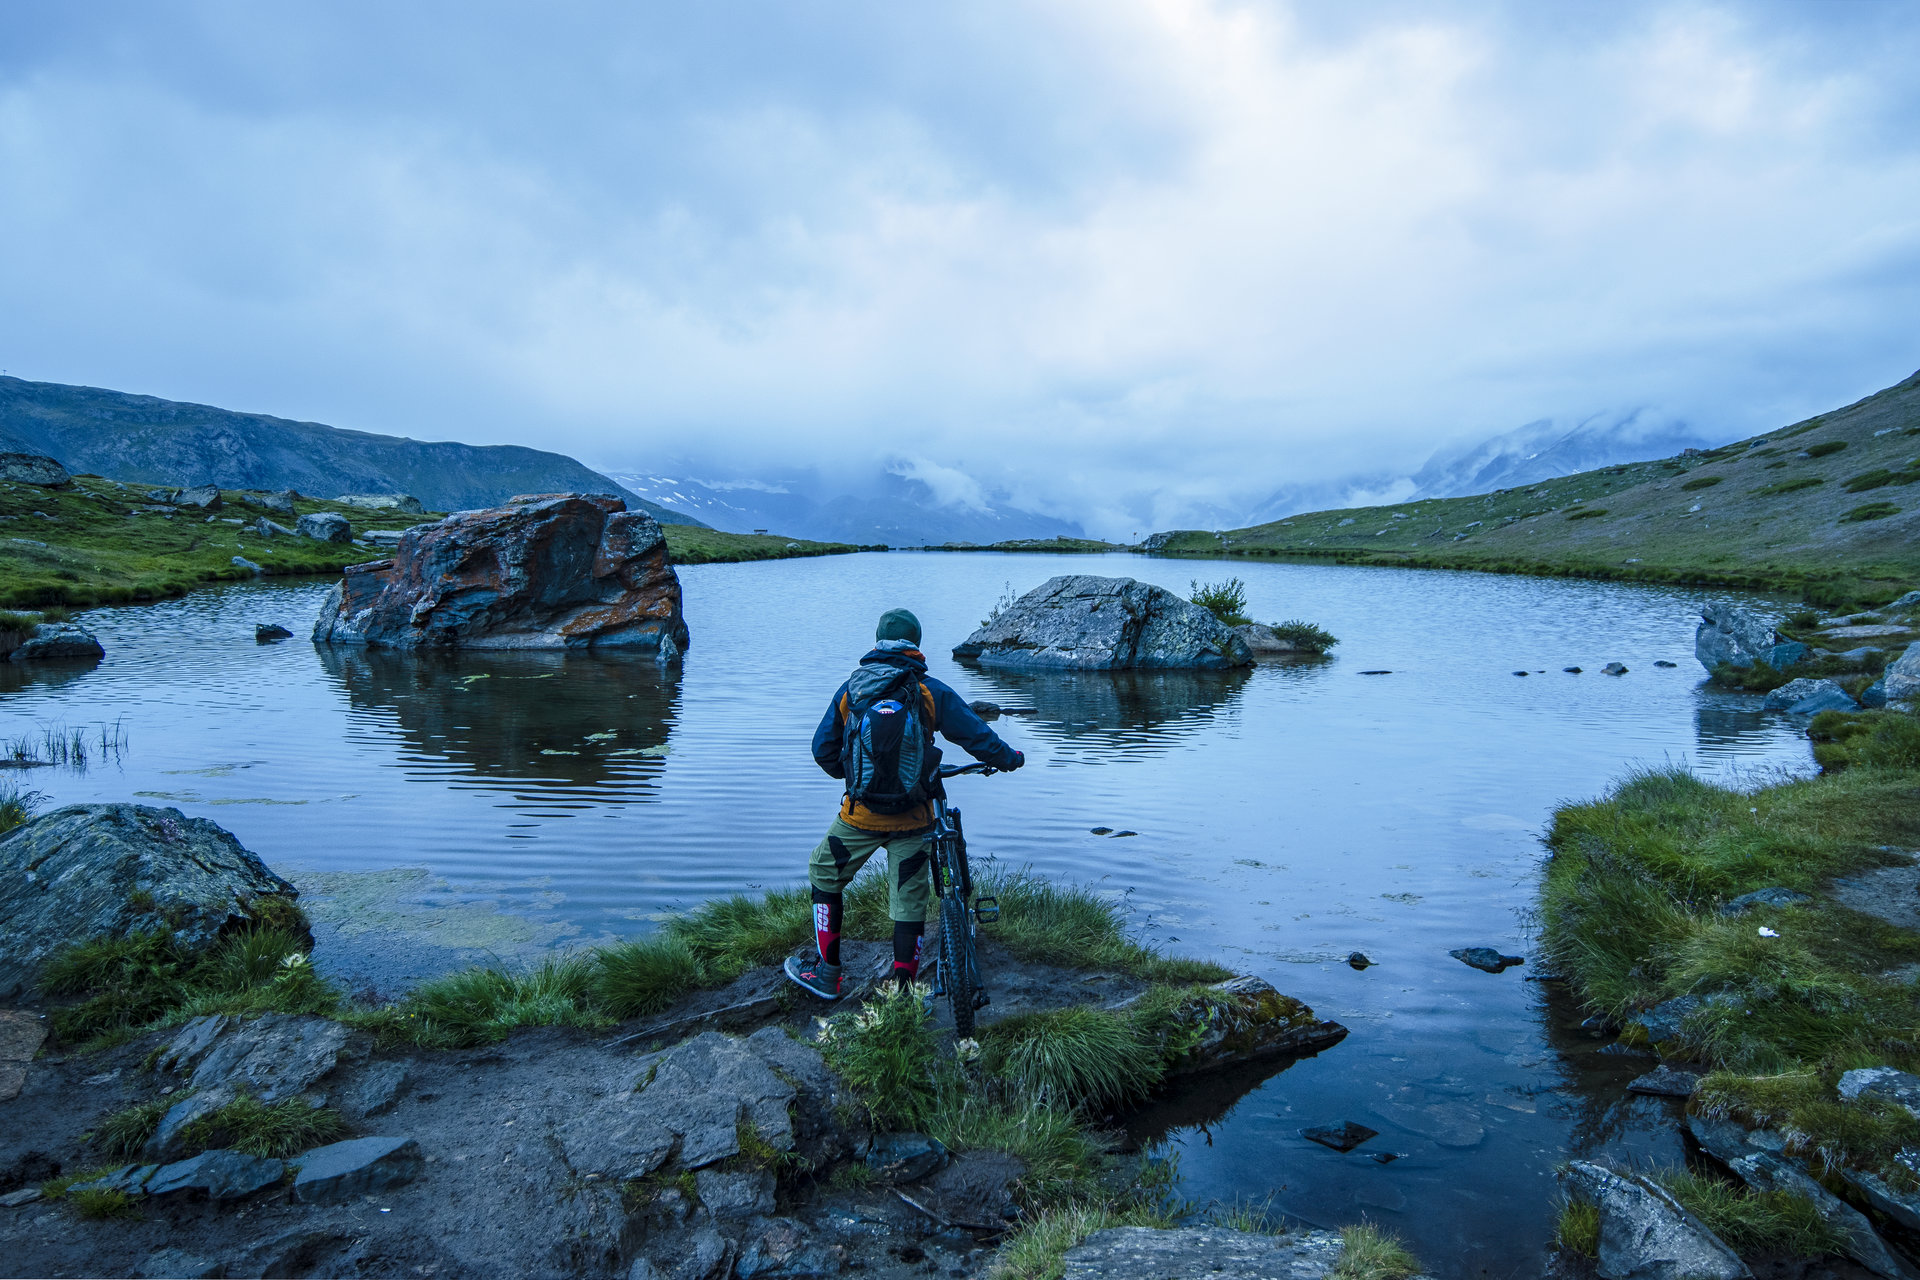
(101, 542)
(1826, 506)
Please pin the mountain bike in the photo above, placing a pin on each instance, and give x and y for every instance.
(958, 977)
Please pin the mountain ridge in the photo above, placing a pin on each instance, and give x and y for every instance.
(139, 439)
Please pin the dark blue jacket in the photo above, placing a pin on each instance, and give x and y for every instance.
(947, 712)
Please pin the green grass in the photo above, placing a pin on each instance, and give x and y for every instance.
(1038, 1249)
(17, 805)
(1372, 1254)
(123, 1133)
(108, 988)
(484, 1005)
(101, 1203)
(1870, 511)
(1226, 601)
(1578, 1228)
(688, 544)
(1873, 739)
(1825, 448)
(1770, 1222)
(278, 1129)
(1076, 1057)
(1588, 513)
(1701, 482)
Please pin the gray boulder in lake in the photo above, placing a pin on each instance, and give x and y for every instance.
(1731, 636)
(1080, 622)
(52, 640)
(35, 469)
(93, 870)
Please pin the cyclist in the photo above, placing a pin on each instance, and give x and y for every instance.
(877, 734)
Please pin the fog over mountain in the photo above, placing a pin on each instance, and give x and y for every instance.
(1125, 264)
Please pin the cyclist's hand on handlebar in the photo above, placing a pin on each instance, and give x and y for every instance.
(1019, 758)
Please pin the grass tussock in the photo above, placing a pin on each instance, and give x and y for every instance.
(123, 1133)
(1578, 1228)
(114, 987)
(1873, 739)
(17, 805)
(100, 1203)
(1803, 1105)
(1369, 1253)
(1751, 1222)
(484, 1005)
(1076, 1057)
(278, 1129)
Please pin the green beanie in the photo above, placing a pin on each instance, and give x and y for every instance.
(898, 624)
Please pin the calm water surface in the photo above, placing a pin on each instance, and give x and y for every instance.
(435, 811)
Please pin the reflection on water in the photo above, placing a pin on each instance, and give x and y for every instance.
(547, 719)
(1115, 710)
(15, 676)
(437, 808)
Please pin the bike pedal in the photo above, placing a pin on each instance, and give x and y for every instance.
(986, 910)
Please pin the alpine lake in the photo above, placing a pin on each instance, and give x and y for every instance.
(436, 812)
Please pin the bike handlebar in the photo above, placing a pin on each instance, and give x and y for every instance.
(955, 770)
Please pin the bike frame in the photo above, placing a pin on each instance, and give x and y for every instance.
(959, 972)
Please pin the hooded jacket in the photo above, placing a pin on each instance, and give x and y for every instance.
(946, 712)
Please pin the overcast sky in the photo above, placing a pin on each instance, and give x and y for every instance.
(1118, 258)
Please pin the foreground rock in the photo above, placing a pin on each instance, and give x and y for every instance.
(1731, 636)
(93, 870)
(342, 1171)
(1078, 621)
(1644, 1231)
(1902, 680)
(550, 571)
(1805, 697)
(1202, 1253)
(51, 641)
(34, 469)
(271, 1058)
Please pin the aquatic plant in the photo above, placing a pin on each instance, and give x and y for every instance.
(1226, 601)
(17, 805)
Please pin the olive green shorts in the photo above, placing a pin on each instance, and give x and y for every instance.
(839, 857)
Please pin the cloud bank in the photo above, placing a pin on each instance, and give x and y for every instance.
(1132, 262)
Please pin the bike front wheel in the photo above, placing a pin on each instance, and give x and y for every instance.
(960, 973)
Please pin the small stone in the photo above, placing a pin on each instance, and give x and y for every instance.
(14, 1199)
(1486, 959)
(1666, 1082)
(1662, 662)
(241, 562)
(1359, 960)
(1344, 1136)
(343, 1170)
(735, 1195)
(1100, 831)
(267, 632)
(1614, 669)
(1776, 896)
(905, 1157)
(1572, 671)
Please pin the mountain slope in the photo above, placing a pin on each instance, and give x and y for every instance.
(1834, 497)
(145, 440)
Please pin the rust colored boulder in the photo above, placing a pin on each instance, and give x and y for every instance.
(545, 571)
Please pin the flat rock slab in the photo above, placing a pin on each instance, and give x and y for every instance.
(108, 870)
(974, 1190)
(1891, 894)
(1201, 1253)
(216, 1175)
(357, 1167)
(1882, 1082)
(21, 1034)
(687, 1103)
(1777, 896)
(1450, 1124)
(275, 1056)
(1666, 1082)
(743, 1194)
(1344, 1136)
(178, 1264)
(1644, 1231)
(905, 1157)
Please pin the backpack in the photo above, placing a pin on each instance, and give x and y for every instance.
(887, 740)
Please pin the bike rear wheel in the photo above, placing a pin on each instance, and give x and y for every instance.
(960, 973)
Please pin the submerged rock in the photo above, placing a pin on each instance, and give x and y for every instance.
(1082, 622)
(1485, 959)
(1666, 1082)
(109, 870)
(551, 571)
(1732, 636)
(1614, 669)
(56, 640)
(1201, 1253)
(268, 632)
(1344, 1136)
(35, 469)
(1645, 1232)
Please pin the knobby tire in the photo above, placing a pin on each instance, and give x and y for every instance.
(956, 958)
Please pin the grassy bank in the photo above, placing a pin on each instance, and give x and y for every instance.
(1777, 1000)
(1823, 508)
(1060, 545)
(691, 545)
(98, 542)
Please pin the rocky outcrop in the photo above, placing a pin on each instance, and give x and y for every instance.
(1078, 621)
(1202, 1253)
(35, 469)
(50, 641)
(202, 497)
(325, 526)
(405, 503)
(93, 870)
(548, 571)
(1902, 680)
(1645, 1234)
(272, 1058)
(1731, 636)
